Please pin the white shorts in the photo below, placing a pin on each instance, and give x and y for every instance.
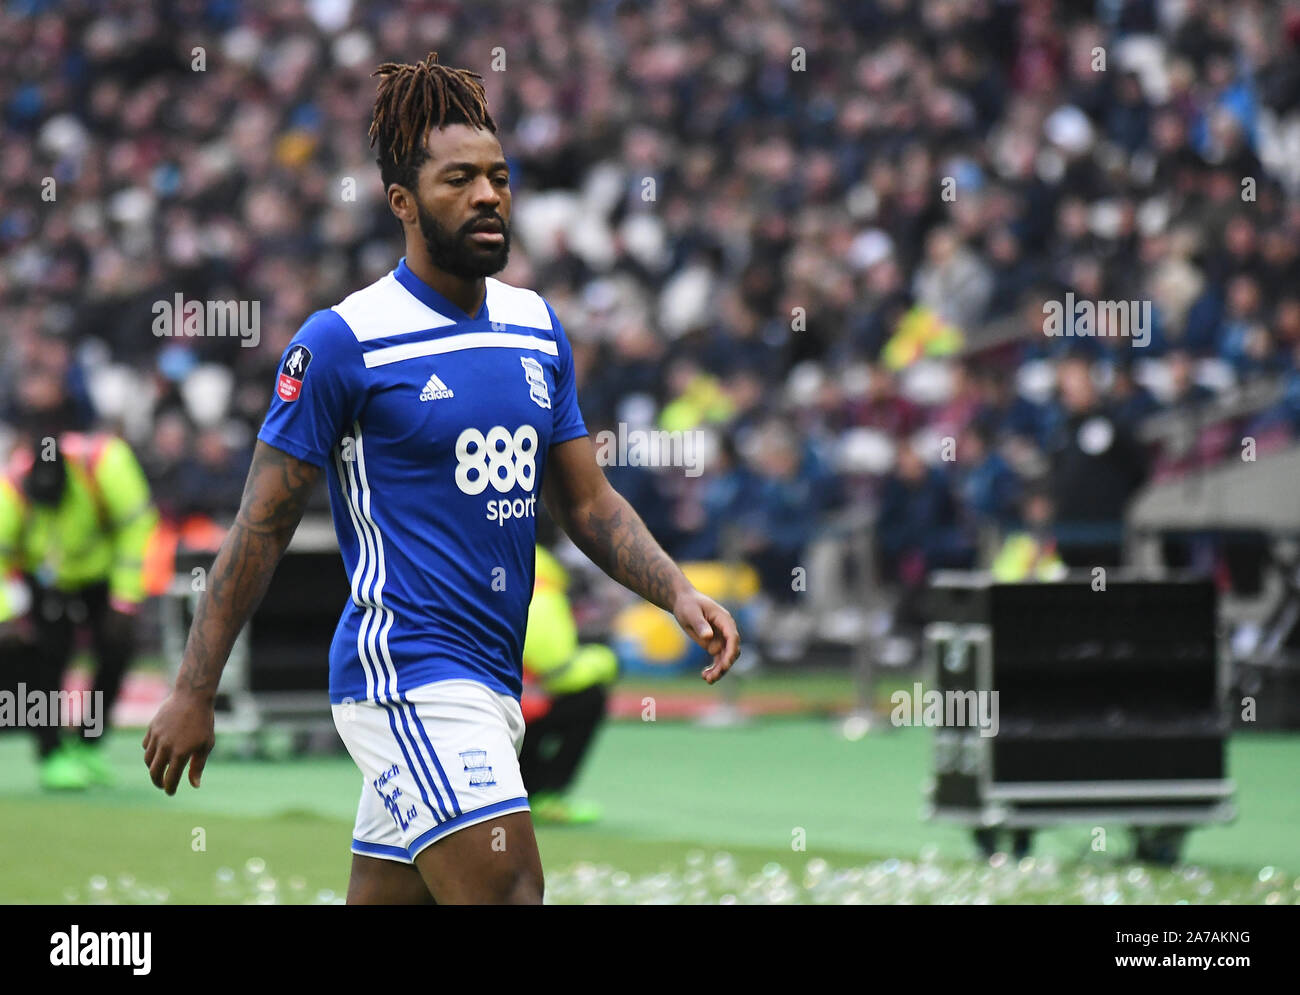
(444, 758)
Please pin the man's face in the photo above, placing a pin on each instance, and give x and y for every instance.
(1077, 390)
(910, 467)
(463, 202)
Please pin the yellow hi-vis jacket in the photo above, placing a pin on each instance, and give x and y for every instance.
(99, 532)
(1023, 557)
(552, 655)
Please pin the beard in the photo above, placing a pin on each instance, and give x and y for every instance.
(454, 253)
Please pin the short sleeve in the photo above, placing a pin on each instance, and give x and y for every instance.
(568, 423)
(317, 391)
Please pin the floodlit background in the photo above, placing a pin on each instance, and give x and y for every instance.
(817, 237)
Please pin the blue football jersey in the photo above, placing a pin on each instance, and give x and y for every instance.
(433, 428)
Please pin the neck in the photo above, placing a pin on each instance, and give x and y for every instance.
(466, 294)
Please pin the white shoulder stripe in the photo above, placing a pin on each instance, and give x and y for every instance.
(516, 306)
(457, 343)
(387, 308)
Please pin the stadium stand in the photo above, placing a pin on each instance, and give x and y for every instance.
(833, 273)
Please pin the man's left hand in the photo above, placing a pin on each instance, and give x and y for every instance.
(712, 626)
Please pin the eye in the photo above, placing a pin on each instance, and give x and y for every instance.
(458, 181)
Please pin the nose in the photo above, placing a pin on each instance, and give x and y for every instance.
(483, 194)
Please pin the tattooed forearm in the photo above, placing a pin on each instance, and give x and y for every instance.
(274, 498)
(617, 541)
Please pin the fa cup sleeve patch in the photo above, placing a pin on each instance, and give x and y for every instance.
(289, 386)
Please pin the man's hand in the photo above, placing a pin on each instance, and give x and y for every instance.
(181, 732)
(712, 626)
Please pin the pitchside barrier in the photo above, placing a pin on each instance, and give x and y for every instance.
(1109, 707)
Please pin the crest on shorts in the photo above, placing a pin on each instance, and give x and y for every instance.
(477, 768)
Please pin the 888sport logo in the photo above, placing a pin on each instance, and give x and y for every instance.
(502, 460)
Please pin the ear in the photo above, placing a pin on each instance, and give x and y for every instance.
(402, 203)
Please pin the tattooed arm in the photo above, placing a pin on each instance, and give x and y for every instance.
(604, 526)
(275, 495)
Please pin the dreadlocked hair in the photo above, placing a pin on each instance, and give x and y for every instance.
(411, 101)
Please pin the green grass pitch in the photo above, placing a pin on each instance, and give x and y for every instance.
(778, 810)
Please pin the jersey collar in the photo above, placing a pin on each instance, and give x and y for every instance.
(425, 294)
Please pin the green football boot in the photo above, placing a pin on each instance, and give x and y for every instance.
(97, 766)
(62, 770)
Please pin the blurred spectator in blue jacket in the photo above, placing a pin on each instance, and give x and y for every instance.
(918, 527)
(1244, 339)
(1008, 412)
(1132, 401)
(779, 517)
(988, 487)
(711, 503)
(212, 479)
(1184, 391)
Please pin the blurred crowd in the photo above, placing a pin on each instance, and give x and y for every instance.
(821, 234)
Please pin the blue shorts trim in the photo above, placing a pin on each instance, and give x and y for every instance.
(407, 855)
(380, 850)
(431, 836)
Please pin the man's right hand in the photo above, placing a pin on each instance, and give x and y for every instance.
(181, 732)
(275, 495)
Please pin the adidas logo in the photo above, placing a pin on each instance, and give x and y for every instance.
(435, 390)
